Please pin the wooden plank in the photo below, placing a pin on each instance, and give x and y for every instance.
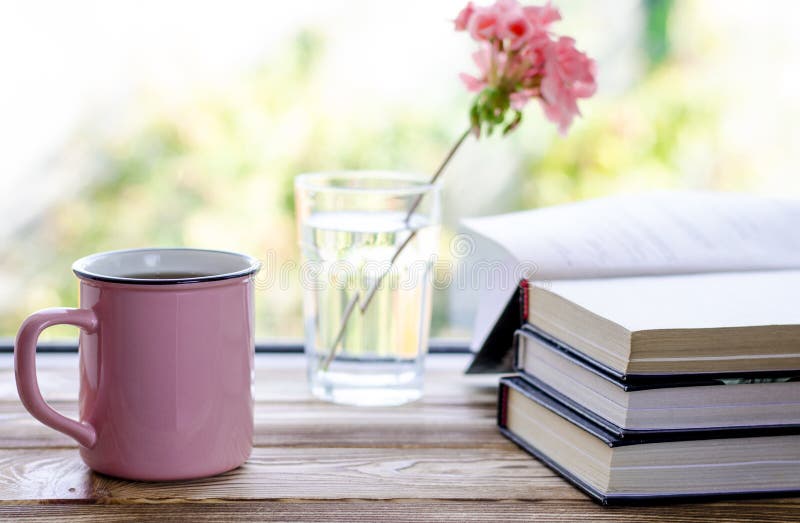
(314, 425)
(279, 378)
(276, 473)
(441, 459)
(324, 484)
(407, 511)
(457, 410)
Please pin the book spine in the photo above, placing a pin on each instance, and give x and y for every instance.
(523, 300)
(519, 351)
(502, 402)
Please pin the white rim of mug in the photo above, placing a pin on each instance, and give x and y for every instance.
(78, 267)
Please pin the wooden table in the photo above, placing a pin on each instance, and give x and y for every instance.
(439, 459)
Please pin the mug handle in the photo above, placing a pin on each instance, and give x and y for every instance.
(25, 369)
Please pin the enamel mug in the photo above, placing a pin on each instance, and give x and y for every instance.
(166, 362)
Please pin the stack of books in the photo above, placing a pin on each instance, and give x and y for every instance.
(668, 386)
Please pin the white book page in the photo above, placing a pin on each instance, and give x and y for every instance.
(645, 234)
(689, 301)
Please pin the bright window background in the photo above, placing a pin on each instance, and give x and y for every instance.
(129, 123)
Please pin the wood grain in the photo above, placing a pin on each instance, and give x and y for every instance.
(280, 378)
(439, 459)
(312, 425)
(406, 511)
(304, 473)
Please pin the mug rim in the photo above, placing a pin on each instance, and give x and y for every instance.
(79, 267)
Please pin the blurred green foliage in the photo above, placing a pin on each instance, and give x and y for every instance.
(215, 169)
(656, 30)
(646, 140)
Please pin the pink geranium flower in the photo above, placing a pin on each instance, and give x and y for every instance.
(519, 59)
(483, 24)
(515, 28)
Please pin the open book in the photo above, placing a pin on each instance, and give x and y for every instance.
(649, 234)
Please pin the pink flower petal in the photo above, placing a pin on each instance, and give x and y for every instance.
(519, 100)
(462, 20)
(483, 24)
(542, 16)
(471, 83)
(483, 59)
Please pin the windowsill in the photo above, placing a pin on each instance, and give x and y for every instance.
(437, 346)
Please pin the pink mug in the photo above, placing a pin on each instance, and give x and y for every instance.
(166, 362)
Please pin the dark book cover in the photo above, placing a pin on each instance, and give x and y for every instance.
(612, 439)
(496, 355)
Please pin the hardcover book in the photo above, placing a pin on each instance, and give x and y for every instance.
(657, 466)
(679, 402)
(713, 323)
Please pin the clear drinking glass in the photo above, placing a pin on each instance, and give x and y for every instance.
(369, 242)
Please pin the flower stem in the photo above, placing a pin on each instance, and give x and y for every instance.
(362, 307)
(438, 172)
